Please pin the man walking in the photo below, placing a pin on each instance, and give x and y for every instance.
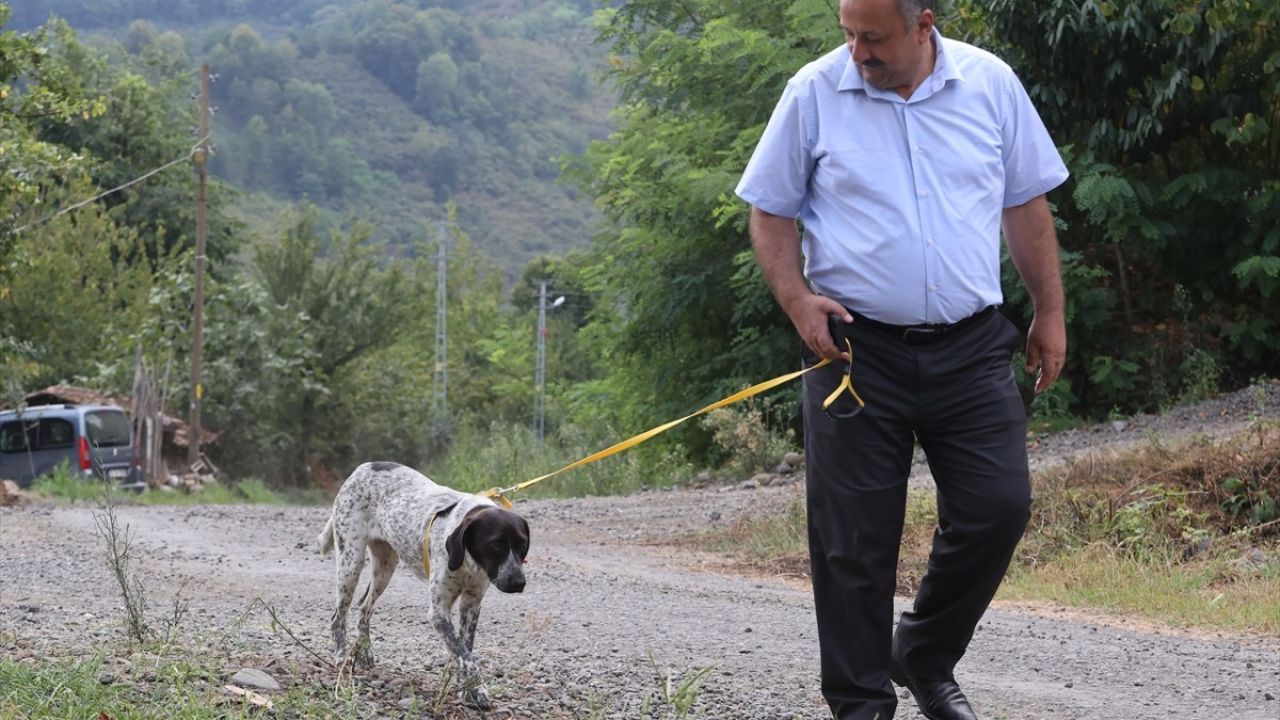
(904, 155)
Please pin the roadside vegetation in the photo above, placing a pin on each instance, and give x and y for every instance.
(1183, 535)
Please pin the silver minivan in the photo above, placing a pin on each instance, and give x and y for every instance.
(95, 441)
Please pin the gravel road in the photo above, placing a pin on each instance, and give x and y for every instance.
(611, 605)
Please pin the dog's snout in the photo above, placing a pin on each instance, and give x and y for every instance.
(510, 577)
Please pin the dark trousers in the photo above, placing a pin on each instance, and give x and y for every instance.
(958, 397)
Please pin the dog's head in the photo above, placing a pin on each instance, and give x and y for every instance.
(498, 541)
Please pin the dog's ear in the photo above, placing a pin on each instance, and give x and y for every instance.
(456, 543)
(524, 546)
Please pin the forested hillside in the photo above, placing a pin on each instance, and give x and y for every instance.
(387, 110)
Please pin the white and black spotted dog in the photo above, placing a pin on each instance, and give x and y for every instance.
(470, 542)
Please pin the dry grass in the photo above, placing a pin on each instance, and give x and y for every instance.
(1184, 536)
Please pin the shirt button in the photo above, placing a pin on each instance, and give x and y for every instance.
(923, 194)
(933, 287)
(931, 242)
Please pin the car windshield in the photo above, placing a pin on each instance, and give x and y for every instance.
(107, 428)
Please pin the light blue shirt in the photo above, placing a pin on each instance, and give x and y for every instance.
(901, 200)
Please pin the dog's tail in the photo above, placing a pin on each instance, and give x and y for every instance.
(325, 539)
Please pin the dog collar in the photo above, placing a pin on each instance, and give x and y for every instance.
(426, 540)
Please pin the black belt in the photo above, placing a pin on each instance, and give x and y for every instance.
(921, 334)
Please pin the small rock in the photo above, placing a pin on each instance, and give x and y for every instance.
(1119, 425)
(1197, 549)
(714, 515)
(794, 459)
(248, 677)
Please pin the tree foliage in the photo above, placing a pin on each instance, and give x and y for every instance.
(1171, 109)
(697, 80)
(283, 339)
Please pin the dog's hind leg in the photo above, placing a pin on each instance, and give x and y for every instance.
(384, 566)
(350, 561)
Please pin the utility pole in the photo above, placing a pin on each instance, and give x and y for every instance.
(201, 157)
(440, 377)
(540, 366)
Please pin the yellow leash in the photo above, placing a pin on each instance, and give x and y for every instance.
(499, 495)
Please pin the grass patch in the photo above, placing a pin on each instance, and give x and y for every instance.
(63, 485)
(146, 689)
(1184, 536)
(1224, 593)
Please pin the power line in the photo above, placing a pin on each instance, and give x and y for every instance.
(190, 154)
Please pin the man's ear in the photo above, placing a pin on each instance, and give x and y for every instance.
(456, 543)
(925, 22)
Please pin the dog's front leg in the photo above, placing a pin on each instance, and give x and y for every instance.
(469, 618)
(443, 623)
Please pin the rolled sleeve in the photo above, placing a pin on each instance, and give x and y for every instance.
(777, 177)
(1032, 164)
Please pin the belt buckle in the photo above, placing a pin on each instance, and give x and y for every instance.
(924, 332)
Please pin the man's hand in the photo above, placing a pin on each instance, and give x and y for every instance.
(777, 248)
(809, 314)
(1046, 348)
(1033, 246)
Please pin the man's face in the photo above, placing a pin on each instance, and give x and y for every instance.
(889, 54)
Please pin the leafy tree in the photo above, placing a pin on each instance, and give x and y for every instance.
(691, 318)
(79, 305)
(437, 83)
(1172, 111)
(36, 88)
(283, 339)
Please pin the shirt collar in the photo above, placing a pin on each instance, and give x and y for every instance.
(943, 71)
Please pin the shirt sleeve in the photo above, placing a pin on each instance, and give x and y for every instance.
(1032, 164)
(777, 176)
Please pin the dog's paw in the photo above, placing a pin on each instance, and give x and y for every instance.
(362, 655)
(479, 696)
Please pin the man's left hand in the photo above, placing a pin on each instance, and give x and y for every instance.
(1046, 348)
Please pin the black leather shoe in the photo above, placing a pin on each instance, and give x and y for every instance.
(938, 700)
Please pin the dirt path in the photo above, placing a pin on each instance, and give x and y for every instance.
(607, 601)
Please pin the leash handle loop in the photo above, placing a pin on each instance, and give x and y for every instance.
(846, 383)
